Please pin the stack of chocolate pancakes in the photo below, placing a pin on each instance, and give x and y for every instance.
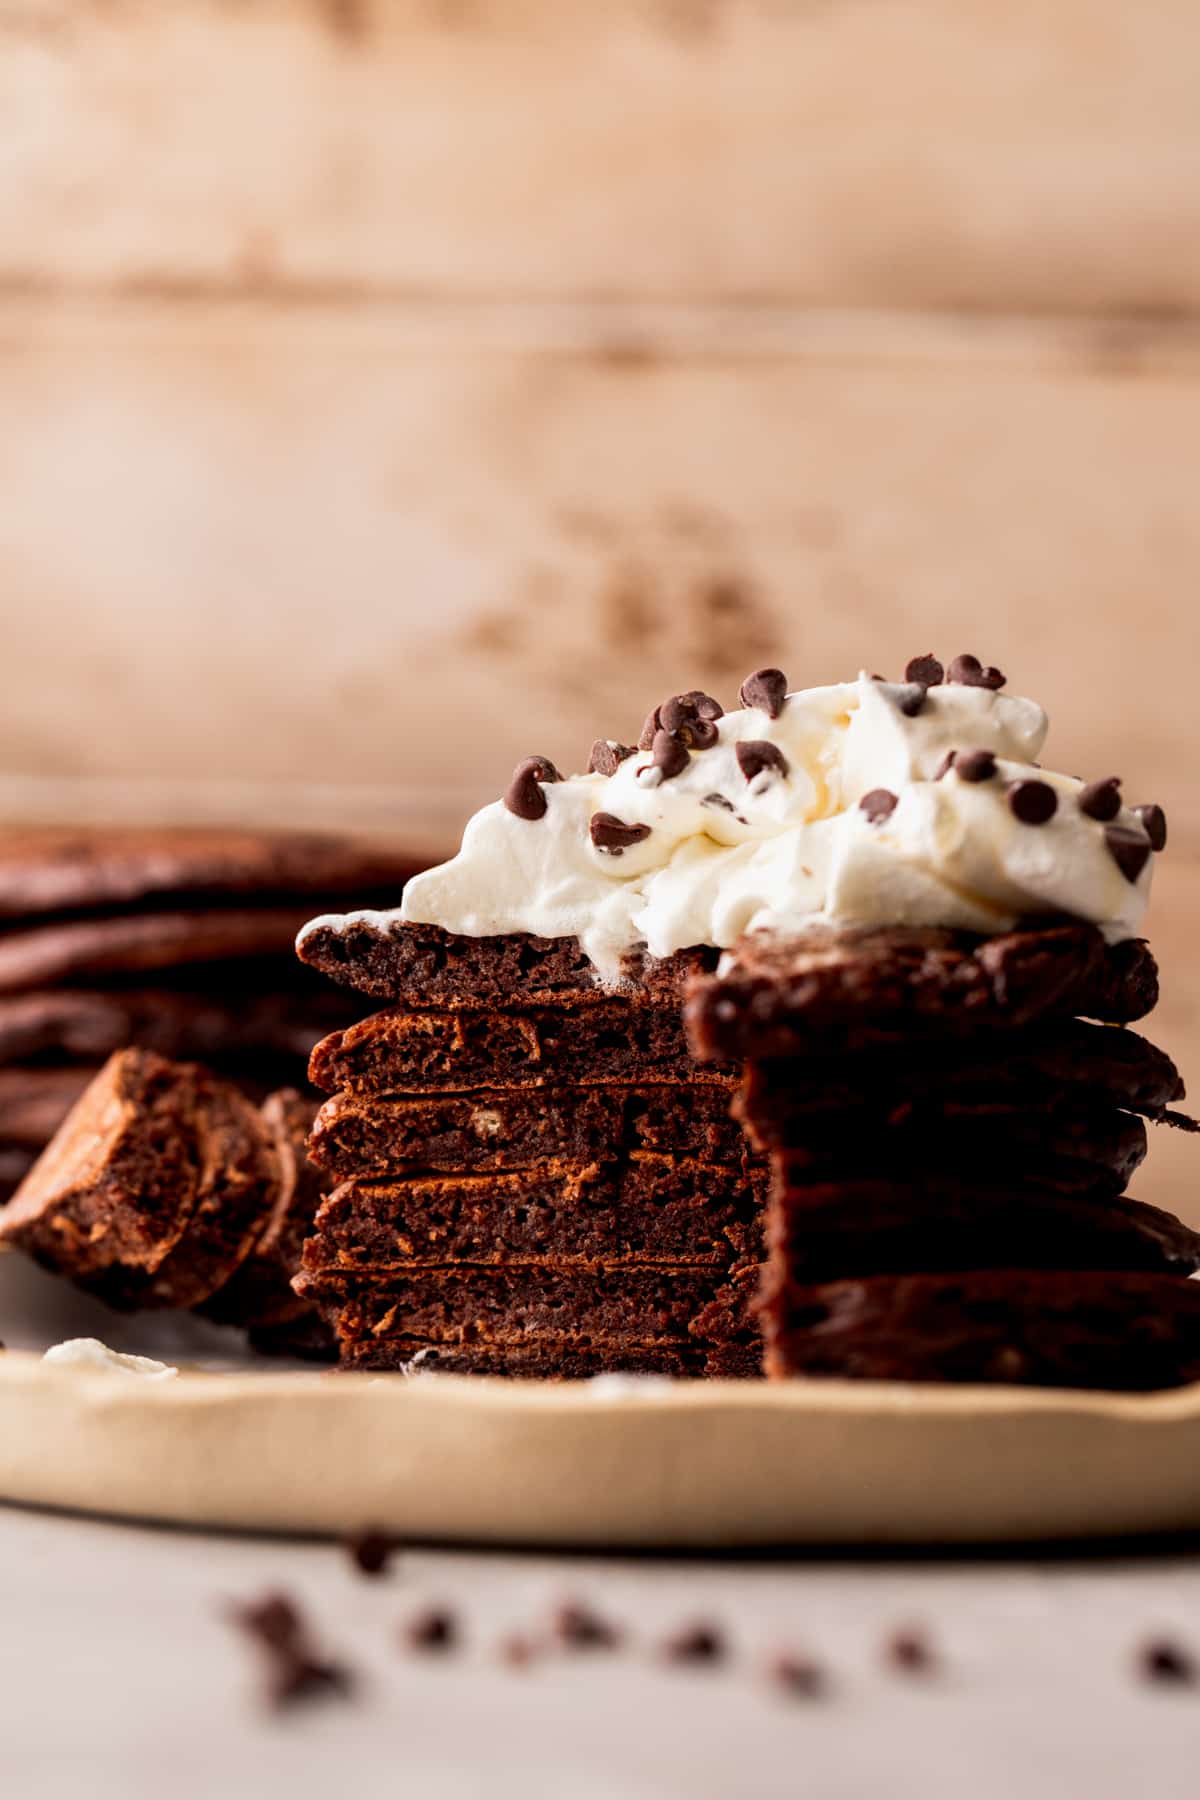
(533, 1176)
(178, 940)
(951, 1123)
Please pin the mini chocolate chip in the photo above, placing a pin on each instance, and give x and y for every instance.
(371, 1551)
(766, 689)
(274, 1620)
(756, 754)
(910, 698)
(1101, 799)
(925, 669)
(607, 756)
(646, 738)
(947, 763)
(517, 1651)
(613, 834)
(294, 1672)
(1155, 821)
(879, 804)
(911, 1651)
(718, 800)
(306, 1678)
(524, 796)
(1033, 802)
(695, 1643)
(1129, 849)
(1165, 1661)
(675, 712)
(691, 718)
(968, 671)
(704, 706)
(797, 1675)
(431, 1630)
(579, 1628)
(670, 756)
(975, 765)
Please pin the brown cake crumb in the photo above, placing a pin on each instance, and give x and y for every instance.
(579, 1628)
(910, 1651)
(434, 1629)
(293, 1670)
(517, 1651)
(1163, 1660)
(696, 1643)
(371, 1551)
(797, 1675)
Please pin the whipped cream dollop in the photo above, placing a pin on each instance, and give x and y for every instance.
(919, 802)
(90, 1353)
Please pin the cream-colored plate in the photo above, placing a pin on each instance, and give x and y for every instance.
(688, 1464)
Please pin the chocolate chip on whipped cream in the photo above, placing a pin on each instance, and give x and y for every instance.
(1101, 799)
(879, 804)
(722, 854)
(524, 795)
(925, 669)
(968, 671)
(910, 697)
(607, 756)
(754, 755)
(1129, 849)
(975, 765)
(1155, 821)
(765, 690)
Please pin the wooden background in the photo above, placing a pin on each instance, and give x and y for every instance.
(389, 388)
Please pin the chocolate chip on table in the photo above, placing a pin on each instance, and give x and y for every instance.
(975, 765)
(911, 697)
(1101, 799)
(517, 1651)
(947, 763)
(371, 1551)
(925, 669)
(524, 796)
(694, 1644)
(669, 755)
(613, 835)
(294, 1672)
(968, 671)
(433, 1629)
(607, 756)
(910, 1651)
(766, 689)
(1129, 849)
(579, 1628)
(879, 804)
(1033, 802)
(797, 1675)
(756, 754)
(1165, 1661)
(1155, 821)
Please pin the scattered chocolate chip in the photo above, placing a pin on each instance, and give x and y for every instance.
(756, 754)
(294, 1672)
(718, 800)
(576, 1626)
(691, 718)
(1155, 821)
(766, 689)
(433, 1629)
(1165, 1661)
(910, 698)
(525, 796)
(607, 756)
(797, 1675)
(646, 738)
(517, 1651)
(371, 1551)
(1101, 799)
(614, 835)
(695, 1643)
(1033, 802)
(947, 763)
(968, 671)
(975, 765)
(670, 756)
(925, 669)
(879, 804)
(1129, 849)
(910, 1651)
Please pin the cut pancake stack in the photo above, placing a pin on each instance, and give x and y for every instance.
(177, 940)
(950, 1135)
(533, 1177)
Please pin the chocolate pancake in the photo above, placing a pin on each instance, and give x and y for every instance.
(520, 1128)
(259, 1293)
(893, 1227)
(397, 1051)
(853, 988)
(652, 1208)
(555, 1360)
(422, 965)
(1095, 1329)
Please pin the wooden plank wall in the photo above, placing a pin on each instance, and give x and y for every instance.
(389, 387)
